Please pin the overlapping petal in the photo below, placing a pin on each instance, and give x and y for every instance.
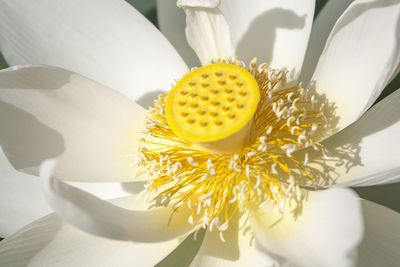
(207, 31)
(103, 218)
(237, 249)
(108, 41)
(22, 198)
(51, 242)
(367, 152)
(274, 31)
(327, 225)
(321, 28)
(52, 112)
(360, 57)
(92, 129)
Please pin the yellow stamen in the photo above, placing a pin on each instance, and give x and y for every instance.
(215, 185)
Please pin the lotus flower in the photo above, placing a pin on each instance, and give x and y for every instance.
(267, 182)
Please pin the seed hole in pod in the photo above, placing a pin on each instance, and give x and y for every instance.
(218, 123)
(204, 76)
(204, 85)
(183, 93)
(204, 98)
(193, 95)
(240, 106)
(228, 91)
(218, 74)
(220, 82)
(214, 91)
(242, 93)
(232, 77)
(194, 105)
(225, 108)
(231, 116)
(230, 99)
(182, 103)
(201, 112)
(203, 123)
(214, 103)
(213, 114)
(191, 120)
(184, 114)
(192, 84)
(239, 84)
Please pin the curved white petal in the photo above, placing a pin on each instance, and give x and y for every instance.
(324, 232)
(207, 31)
(51, 242)
(320, 31)
(108, 41)
(237, 250)
(172, 23)
(22, 198)
(360, 57)
(274, 31)
(382, 236)
(50, 112)
(111, 190)
(102, 218)
(368, 151)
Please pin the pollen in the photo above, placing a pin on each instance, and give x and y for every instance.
(215, 103)
(196, 108)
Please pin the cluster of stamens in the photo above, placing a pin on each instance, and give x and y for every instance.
(216, 186)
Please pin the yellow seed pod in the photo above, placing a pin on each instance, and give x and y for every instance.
(212, 103)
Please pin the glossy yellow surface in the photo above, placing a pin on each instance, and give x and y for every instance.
(212, 102)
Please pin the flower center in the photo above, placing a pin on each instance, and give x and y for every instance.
(224, 106)
(213, 106)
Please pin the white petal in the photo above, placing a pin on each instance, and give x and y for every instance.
(324, 231)
(110, 190)
(21, 198)
(321, 28)
(237, 250)
(360, 57)
(172, 23)
(382, 236)
(207, 32)
(51, 112)
(108, 41)
(50, 242)
(198, 3)
(102, 218)
(274, 31)
(368, 151)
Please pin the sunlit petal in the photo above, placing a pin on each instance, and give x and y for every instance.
(51, 112)
(102, 218)
(237, 249)
(360, 57)
(207, 31)
(368, 151)
(324, 231)
(21, 198)
(108, 41)
(51, 242)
